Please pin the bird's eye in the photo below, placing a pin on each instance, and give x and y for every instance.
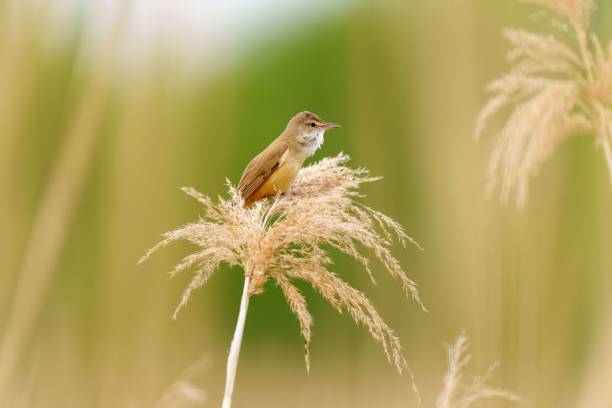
(312, 124)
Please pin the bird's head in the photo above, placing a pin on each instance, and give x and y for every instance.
(309, 129)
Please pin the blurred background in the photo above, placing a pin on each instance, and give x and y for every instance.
(108, 107)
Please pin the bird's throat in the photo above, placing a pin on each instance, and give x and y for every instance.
(311, 142)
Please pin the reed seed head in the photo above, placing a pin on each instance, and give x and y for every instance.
(556, 89)
(286, 239)
(461, 393)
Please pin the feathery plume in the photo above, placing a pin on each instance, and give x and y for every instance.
(458, 393)
(184, 391)
(556, 89)
(285, 239)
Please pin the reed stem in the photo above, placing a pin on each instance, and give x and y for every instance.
(234, 354)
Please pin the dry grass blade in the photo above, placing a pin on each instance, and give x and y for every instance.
(284, 239)
(555, 90)
(458, 393)
(57, 206)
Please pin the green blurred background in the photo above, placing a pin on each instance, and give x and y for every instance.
(107, 108)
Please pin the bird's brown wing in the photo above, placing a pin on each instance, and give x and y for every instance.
(260, 169)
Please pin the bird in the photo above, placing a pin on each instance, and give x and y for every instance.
(273, 170)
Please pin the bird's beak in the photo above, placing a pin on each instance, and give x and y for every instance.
(331, 126)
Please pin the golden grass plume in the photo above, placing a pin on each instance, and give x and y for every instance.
(284, 239)
(559, 86)
(458, 393)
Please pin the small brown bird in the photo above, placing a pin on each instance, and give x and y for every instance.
(273, 171)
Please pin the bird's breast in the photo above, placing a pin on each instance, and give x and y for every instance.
(281, 179)
(287, 171)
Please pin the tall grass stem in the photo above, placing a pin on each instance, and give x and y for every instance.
(56, 209)
(234, 354)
